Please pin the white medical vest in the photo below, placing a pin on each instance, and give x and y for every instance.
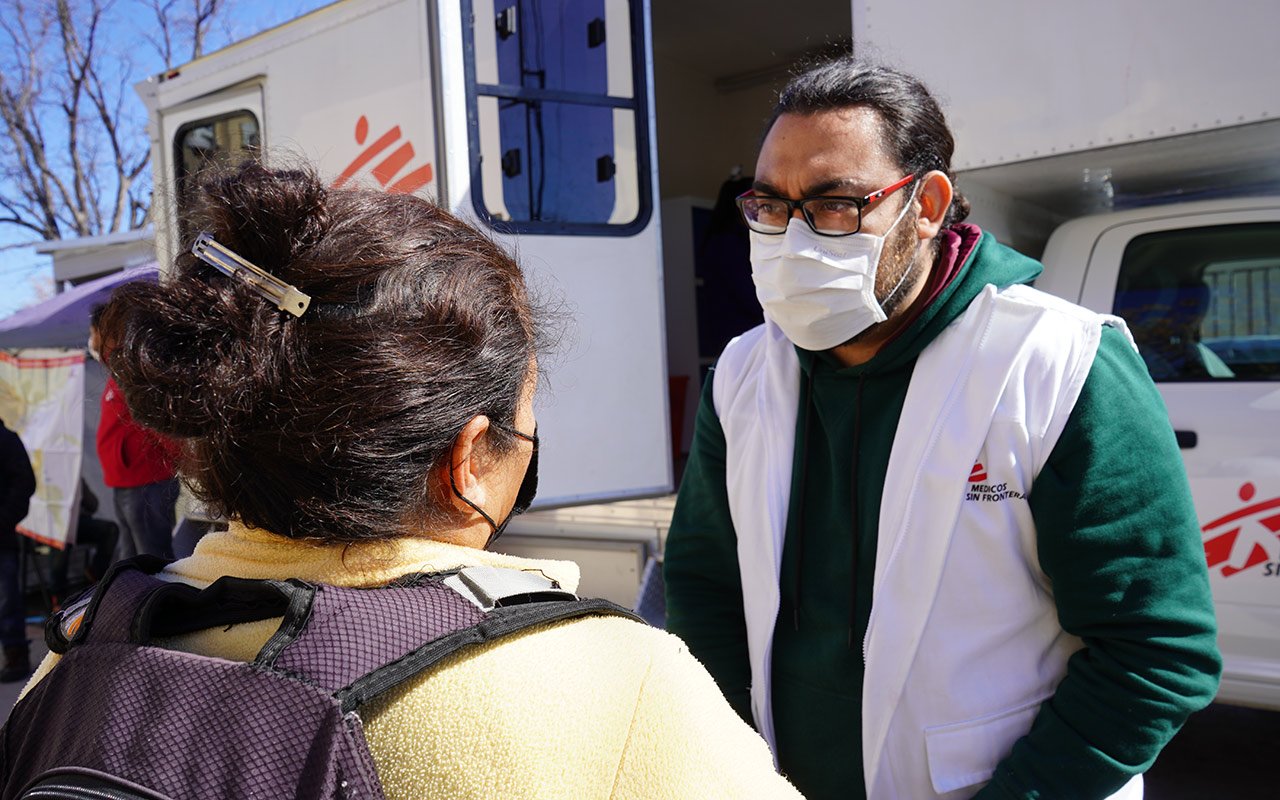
(963, 643)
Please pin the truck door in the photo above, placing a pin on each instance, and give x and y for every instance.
(223, 129)
(1201, 294)
(553, 155)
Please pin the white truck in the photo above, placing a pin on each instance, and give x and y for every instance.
(1133, 144)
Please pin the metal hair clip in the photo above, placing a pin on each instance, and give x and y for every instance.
(228, 262)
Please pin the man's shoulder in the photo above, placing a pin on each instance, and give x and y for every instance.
(742, 354)
(744, 342)
(1048, 341)
(1052, 315)
(111, 396)
(1028, 296)
(761, 350)
(115, 410)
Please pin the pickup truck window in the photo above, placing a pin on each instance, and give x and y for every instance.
(555, 107)
(1204, 303)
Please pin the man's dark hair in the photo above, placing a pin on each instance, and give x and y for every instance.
(914, 128)
(326, 426)
(95, 315)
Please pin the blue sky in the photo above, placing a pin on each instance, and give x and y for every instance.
(25, 277)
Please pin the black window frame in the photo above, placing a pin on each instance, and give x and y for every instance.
(179, 163)
(638, 104)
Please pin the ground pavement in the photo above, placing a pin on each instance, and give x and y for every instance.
(9, 691)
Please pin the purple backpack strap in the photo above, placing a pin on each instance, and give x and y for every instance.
(286, 725)
(128, 583)
(116, 713)
(360, 643)
(131, 605)
(347, 633)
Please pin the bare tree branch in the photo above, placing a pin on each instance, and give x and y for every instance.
(109, 114)
(73, 148)
(161, 37)
(20, 85)
(75, 61)
(17, 245)
(204, 13)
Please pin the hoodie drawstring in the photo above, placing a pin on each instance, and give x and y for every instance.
(809, 411)
(853, 502)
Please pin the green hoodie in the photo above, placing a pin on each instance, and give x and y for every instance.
(1117, 536)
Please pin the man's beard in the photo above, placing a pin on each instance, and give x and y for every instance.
(901, 251)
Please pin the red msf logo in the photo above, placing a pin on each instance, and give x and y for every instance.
(1244, 538)
(387, 169)
(978, 474)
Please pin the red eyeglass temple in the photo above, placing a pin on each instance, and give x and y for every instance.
(893, 187)
(871, 198)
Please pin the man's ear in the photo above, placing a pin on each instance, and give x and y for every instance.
(464, 466)
(934, 198)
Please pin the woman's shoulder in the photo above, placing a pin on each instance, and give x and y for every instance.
(597, 706)
(551, 704)
(601, 648)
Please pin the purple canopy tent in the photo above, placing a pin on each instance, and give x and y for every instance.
(63, 320)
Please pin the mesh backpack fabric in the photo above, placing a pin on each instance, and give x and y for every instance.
(122, 718)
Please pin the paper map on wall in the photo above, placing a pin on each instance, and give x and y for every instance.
(42, 399)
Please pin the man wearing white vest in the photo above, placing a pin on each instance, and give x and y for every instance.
(934, 537)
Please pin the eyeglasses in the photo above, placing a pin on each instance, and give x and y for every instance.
(511, 429)
(825, 215)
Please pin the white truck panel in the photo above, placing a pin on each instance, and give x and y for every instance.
(373, 92)
(602, 410)
(1024, 80)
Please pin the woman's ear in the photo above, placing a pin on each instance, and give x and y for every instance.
(462, 476)
(934, 199)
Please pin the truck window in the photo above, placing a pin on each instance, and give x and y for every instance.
(1204, 303)
(222, 141)
(556, 110)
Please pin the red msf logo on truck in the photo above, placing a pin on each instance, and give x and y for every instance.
(388, 170)
(1246, 537)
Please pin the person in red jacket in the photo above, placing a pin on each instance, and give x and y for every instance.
(137, 464)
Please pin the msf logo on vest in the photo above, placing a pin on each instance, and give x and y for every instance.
(983, 490)
(1245, 538)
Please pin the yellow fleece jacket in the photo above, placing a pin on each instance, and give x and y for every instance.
(599, 707)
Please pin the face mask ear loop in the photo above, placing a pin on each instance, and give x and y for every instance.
(901, 281)
(498, 529)
(903, 212)
(477, 508)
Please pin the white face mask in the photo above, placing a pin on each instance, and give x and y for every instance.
(820, 290)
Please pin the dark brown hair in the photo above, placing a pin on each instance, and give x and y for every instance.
(914, 128)
(325, 426)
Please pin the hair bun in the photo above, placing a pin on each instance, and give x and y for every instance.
(325, 426)
(267, 216)
(198, 352)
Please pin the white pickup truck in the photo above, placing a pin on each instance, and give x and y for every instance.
(1199, 284)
